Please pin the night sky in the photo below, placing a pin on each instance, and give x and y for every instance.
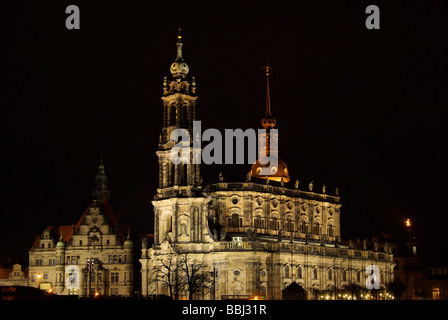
(360, 109)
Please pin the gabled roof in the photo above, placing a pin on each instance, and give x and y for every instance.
(67, 231)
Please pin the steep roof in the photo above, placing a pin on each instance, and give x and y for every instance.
(67, 231)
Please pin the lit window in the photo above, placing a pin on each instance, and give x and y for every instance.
(436, 294)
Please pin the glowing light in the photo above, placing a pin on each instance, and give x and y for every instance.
(408, 222)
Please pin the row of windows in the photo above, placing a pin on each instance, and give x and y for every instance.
(236, 221)
(330, 274)
(114, 276)
(50, 245)
(77, 260)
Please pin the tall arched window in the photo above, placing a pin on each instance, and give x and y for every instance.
(286, 272)
(236, 221)
(330, 230)
(316, 229)
(299, 272)
(173, 114)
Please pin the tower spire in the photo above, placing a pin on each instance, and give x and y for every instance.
(268, 121)
(268, 97)
(100, 192)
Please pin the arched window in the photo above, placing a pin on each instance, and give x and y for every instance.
(286, 272)
(173, 114)
(184, 114)
(330, 230)
(329, 274)
(315, 273)
(299, 272)
(289, 226)
(236, 221)
(303, 227)
(316, 229)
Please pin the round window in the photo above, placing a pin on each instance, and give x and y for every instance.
(236, 272)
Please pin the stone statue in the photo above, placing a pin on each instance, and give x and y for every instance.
(310, 186)
(251, 234)
(375, 246)
(282, 182)
(267, 180)
(364, 244)
(144, 242)
(350, 244)
(249, 176)
(296, 186)
(324, 188)
(222, 235)
(336, 191)
(221, 178)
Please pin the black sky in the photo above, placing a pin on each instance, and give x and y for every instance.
(360, 109)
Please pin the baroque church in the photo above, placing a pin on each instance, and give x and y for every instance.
(90, 258)
(256, 237)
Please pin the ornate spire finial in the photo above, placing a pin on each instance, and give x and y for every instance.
(179, 68)
(268, 121)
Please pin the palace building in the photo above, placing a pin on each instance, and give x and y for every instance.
(92, 257)
(256, 237)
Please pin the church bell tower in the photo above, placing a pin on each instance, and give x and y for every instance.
(179, 112)
(180, 209)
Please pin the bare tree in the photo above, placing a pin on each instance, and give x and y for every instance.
(194, 278)
(165, 273)
(178, 271)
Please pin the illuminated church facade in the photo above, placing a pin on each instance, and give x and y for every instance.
(255, 237)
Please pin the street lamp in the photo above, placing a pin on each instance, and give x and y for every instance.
(39, 276)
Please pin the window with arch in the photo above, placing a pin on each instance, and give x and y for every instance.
(257, 222)
(315, 273)
(329, 274)
(286, 272)
(330, 231)
(289, 224)
(236, 221)
(303, 227)
(299, 272)
(173, 114)
(316, 228)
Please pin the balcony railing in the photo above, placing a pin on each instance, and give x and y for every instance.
(299, 248)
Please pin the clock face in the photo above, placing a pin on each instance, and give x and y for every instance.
(274, 170)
